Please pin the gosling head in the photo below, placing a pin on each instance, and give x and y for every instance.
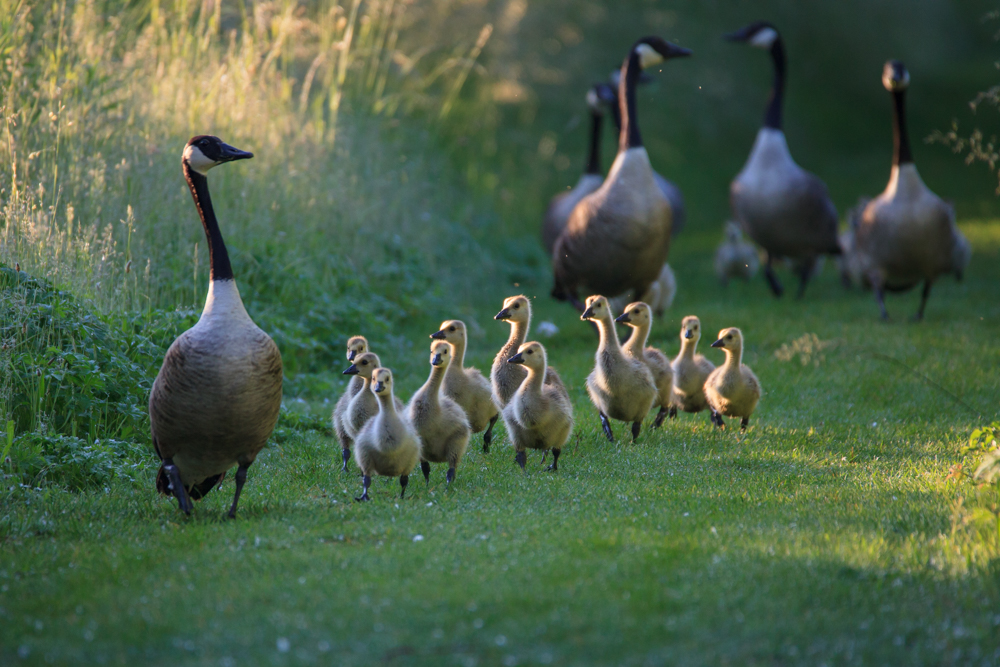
(382, 382)
(531, 355)
(364, 364)
(895, 78)
(690, 329)
(356, 345)
(515, 309)
(760, 34)
(205, 151)
(654, 50)
(452, 331)
(440, 354)
(597, 308)
(730, 339)
(636, 315)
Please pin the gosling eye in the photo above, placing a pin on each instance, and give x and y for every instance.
(729, 336)
(451, 328)
(364, 363)
(516, 306)
(530, 352)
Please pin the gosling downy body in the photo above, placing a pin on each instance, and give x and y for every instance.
(440, 421)
(506, 378)
(907, 235)
(388, 444)
(786, 210)
(364, 405)
(618, 237)
(355, 345)
(620, 386)
(639, 316)
(690, 371)
(467, 386)
(735, 258)
(541, 411)
(732, 389)
(216, 399)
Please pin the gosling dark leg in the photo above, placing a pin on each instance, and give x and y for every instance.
(555, 460)
(660, 416)
(673, 412)
(923, 301)
(717, 419)
(366, 481)
(425, 467)
(744, 423)
(241, 479)
(521, 458)
(346, 454)
(607, 427)
(772, 280)
(176, 487)
(450, 476)
(488, 435)
(636, 427)
(403, 481)
(545, 455)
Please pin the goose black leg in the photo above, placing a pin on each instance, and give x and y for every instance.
(346, 454)
(660, 416)
(772, 280)
(673, 412)
(717, 419)
(425, 467)
(176, 487)
(545, 455)
(366, 481)
(607, 427)
(488, 436)
(521, 458)
(403, 481)
(880, 298)
(805, 273)
(555, 460)
(636, 427)
(241, 479)
(451, 476)
(923, 301)
(744, 423)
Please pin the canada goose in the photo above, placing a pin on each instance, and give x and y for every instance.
(907, 234)
(618, 237)
(541, 410)
(620, 387)
(659, 296)
(735, 258)
(387, 445)
(562, 204)
(216, 399)
(732, 389)
(364, 405)
(690, 370)
(848, 264)
(467, 386)
(355, 345)
(785, 209)
(440, 421)
(639, 316)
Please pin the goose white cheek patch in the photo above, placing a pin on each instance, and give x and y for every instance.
(764, 38)
(592, 100)
(198, 161)
(648, 56)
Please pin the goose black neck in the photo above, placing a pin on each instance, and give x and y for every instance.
(772, 117)
(594, 159)
(900, 138)
(629, 136)
(217, 254)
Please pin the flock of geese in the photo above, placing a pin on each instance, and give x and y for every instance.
(216, 399)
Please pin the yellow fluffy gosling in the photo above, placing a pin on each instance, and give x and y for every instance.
(388, 445)
(540, 410)
(690, 371)
(732, 389)
(364, 405)
(639, 316)
(467, 386)
(355, 345)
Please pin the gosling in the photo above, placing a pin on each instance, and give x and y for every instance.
(620, 387)
(355, 345)
(441, 423)
(504, 377)
(540, 410)
(690, 371)
(467, 386)
(735, 257)
(388, 445)
(732, 389)
(639, 316)
(364, 405)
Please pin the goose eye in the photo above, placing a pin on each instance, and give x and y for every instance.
(451, 328)
(516, 306)
(529, 352)
(364, 363)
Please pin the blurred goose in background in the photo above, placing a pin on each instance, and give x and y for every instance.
(735, 258)
(440, 421)
(690, 371)
(907, 234)
(216, 399)
(639, 316)
(388, 445)
(618, 237)
(732, 389)
(540, 410)
(355, 345)
(786, 210)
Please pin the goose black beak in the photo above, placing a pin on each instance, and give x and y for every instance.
(689, 334)
(378, 387)
(587, 314)
(351, 355)
(718, 343)
(503, 314)
(438, 335)
(351, 370)
(230, 153)
(516, 359)
(623, 319)
(677, 52)
(436, 360)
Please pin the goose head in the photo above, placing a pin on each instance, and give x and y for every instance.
(440, 354)
(730, 339)
(356, 345)
(364, 364)
(531, 355)
(515, 309)
(895, 77)
(654, 50)
(636, 315)
(597, 308)
(205, 151)
(382, 382)
(452, 331)
(760, 34)
(690, 329)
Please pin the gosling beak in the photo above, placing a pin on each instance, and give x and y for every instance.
(351, 370)
(229, 153)
(436, 359)
(438, 335)
(503, 314)
(351, 355)
(587, 314)
(718, 343)
(689, 334)
(623, 319)
(516, 359)
(379, 386)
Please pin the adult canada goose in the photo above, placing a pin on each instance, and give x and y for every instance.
(735, 258)
(504, 377)
(355, 345)
(562, 204)
(541, 410)
(440, 421)
(467, 386)
(216, 398)
(907, 234)
(785, 209)
(618, 237)
(364, 405)
(690, 371)
(659, 296)
(639, 316)
(732, 390)
(387, 445)
(620, 386)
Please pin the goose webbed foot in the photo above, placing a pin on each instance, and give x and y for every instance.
(403, 481)
(606, 425)
(660, 416)
(177, 487)
(636, 427)
(425, 467)
(450, 476)
(555, 460)
(744, 423)
(923, 302)
(241, 479)
(346, 454)
(772, 279)
(521, 458)
(366, 481)
(488, 435)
